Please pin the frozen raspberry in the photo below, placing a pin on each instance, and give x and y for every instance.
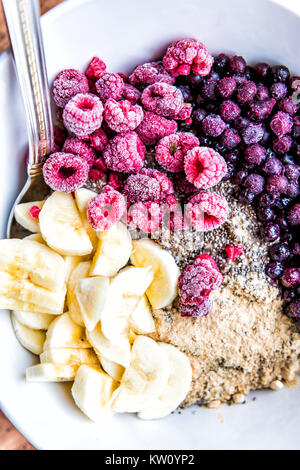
(34, 212)
(95, 174)
(95, 69)
(226, 87)
(201, 309)
(106, 209)
(116, 181)
(229, 110)
(233, 252)
(165, 184)
(186, 56)
(122, 116)
(65, 172)
(149, 73)
(281, 123)
(130, 93)
(204, 167)
(83, 114)
(205, 259)
(125, 153)
(294, 215)
(198, 280)
(230, 138)
(207, 211)
(163, 99)
(145, 216)
(110, 85)
(282, 144)
(287, 105)
(185, 113)
(154, 128)
(141, 188)
(67, 84)
(213, 125)
(99, 140)
(78, 147)
(171, 150)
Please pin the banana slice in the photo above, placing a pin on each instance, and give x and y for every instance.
(27, 259)
(141, 320)
(51, 373)
(113, 251)
(113, 369)
(61, 226)
(163, 289)
(92, 293)
(36, 321)
(32, 340)
(8, 303)
(23, 217)
(92, 392)
(70, 357)
(64, 333)
(177, 388)
(26, 291)
(118, 352)
(125, 291)
(145, 379)
(71, 263)
(82, 197)
(80, 272)
(35, 237)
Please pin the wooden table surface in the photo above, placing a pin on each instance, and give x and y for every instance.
(10, 438)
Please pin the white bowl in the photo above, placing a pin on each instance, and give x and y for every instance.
(125, 34)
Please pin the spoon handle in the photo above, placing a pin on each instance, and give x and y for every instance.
(23, 22)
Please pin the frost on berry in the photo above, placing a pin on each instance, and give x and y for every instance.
(171, 150)
(99, 140)
(146, 216)
(110, 85)
(67, 84)
(122, 116)
(185, 113)
(116, 180)
(165, 184)
(163, 99)
(281, 124)
(200, 309)
(186, 56)
(149, 73)
(78, 147)
(65, 172)
(204, 167)
(125, 153)
(206, 211)
(106, 209)
(95, 174)
(95, 69)
(154, 128)
(83, 114)
(141, 188)
(130, 93)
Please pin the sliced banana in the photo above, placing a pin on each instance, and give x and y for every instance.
(25, 291)
(64, 333)
(32, 340)
(35, 237)
(61, 226)
(141, 320)
(70, 357)
(92, 392)
(23, 217)
(8, 303)
(36, 321)
(27, 259)
(113, 251)
(51, 373)
(92, 294)
(82, 197)
(163, 289)
(177, 388)
(145, 379)
(80, 272)
(125, 291)
(71, 263)
(118, 352)
(113, 369)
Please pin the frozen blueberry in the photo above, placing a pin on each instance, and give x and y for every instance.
(266, 200)
(209, 90)
(292, 190)
(274, 270)
(270, 232)
(246, 92)
(230, 138)
(262, 92)
(252, 134)
(291, 277)
(226, 87)
(246, 196)
(282, 144)
(198, 115)
(221, 63)
(186, 93)
(237, 64)
(272, 166)
(255, 154)
(279, 73)
(230, 110)
(240, 176)
(296, 248)
(287, 105)
(260, 110)
(280, 252)
(294, 215)
(279, 90)
(277, 184)
(292, 171)
(293, 310)
(213, 125)
(255, 183)
(262, 70)
(265, 214)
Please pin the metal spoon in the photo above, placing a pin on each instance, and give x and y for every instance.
(23, 22)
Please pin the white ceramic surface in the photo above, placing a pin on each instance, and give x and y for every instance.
(124, 34)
